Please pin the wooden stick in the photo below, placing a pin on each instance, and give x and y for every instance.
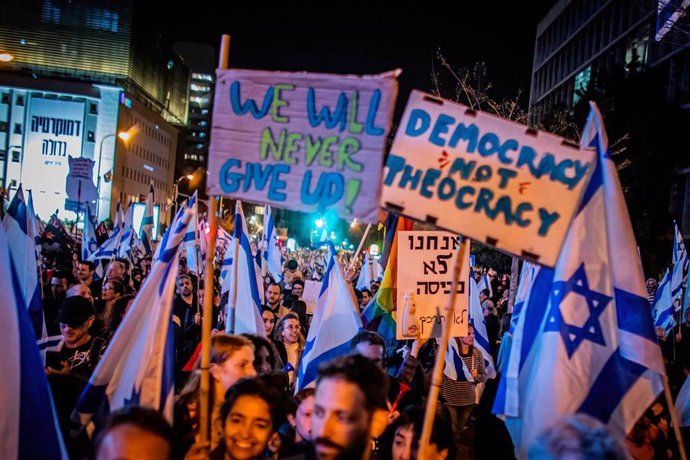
(206, 319)
(359, 248)
(674, 417)
(441, 357)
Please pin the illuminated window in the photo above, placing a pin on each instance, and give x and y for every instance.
(582, 80)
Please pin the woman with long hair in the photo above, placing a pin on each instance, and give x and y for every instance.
(460, 395)
(112, 290)
(232, 358)
(290, 343)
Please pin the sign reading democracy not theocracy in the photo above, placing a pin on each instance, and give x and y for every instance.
(301, 141)
(426, 261)
(485, 177)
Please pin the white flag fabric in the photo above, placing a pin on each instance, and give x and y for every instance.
(190, 243)
(527, 275)
(147, 223)
(683, 403)
(455, 368)
(272, 260)
(336, 321)
(244, 316)
(137, 368)
(371, 271)
(484, 283)
(28, 423)
(19, 225)
(587, 342)
(88, 235)
(680, 263)
(481, 337)
(662, 308)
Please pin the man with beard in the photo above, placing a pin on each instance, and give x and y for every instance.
(85, 272)
(186, 317)
(349, 408)
(273, 298)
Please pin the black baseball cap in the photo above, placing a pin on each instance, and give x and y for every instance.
(75, 311)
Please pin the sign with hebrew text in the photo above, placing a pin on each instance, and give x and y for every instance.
(426, 263)
(301, 141)
(493, 180)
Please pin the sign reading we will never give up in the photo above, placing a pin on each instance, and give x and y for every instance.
(307, 142)
(484, 177)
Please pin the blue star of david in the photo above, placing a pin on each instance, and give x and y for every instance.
(573, 335)
(134, 398)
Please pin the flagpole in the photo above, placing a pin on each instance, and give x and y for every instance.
(205, 383)
(359, 248)
(440, 356)
(675, 421)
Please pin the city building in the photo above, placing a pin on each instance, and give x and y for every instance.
(581, 47)
(89, 80)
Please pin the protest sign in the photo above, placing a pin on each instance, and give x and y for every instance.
(300, 141)
(425, 276)
(493, 180)
(310, 295)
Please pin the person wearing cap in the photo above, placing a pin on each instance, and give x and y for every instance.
(78, 352)
(71, 362)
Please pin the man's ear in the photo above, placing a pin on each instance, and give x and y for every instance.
(291, 420)
(379, 421)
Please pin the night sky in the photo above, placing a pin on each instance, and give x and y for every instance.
(371, 38)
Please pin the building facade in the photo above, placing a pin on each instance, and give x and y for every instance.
(581, 44)
(98, 66)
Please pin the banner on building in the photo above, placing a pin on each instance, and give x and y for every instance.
(426, 261)
(493, 180)
(54, 131)
(301, 141)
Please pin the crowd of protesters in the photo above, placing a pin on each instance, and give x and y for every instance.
(368, 404)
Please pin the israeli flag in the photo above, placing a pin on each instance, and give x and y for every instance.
(138, 365)
(336, 321)
(683, 403)
(455, 368)
(190, 243)
(119, 218)
(662, 308)
(272, 259)
(19, 225)
(88, 235)
(371, 271)
(481, 337)
(28, 423)
(527, 275)
(484, 283)
(244, 315)
(586, 339)
(668, 13)
(147, 223)
(680, 263)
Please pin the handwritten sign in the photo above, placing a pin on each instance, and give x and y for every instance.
(307, 142)
(426, 261)
(310, 295)
(491, 179)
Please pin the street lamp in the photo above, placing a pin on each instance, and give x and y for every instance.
(177, 187)
(125, 136)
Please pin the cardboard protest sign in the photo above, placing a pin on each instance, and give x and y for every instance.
(300, 141)
(484, 177)
(310, 295)
(426, 261)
